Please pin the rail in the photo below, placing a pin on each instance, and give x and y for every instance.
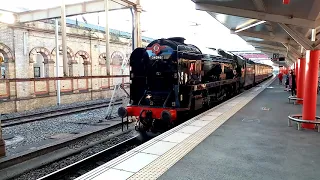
(90, 163)
(13, 121)
(296, 118)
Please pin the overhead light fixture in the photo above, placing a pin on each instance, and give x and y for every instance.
(221, 17)
(247, 27)
(247, 23)
(7, 17)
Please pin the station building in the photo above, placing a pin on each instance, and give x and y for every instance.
(27, 51)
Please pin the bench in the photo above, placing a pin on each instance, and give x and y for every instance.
(294, 98)
(296, 118)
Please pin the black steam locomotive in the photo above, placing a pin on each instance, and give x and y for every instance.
(170, 78)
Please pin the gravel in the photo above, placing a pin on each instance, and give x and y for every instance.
(32, 134)
(52, 108)
(42, 171)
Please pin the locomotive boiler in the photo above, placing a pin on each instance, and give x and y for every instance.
(170, 79)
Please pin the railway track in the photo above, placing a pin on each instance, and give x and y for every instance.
(28, 161)
(81, 167)
(53, 113)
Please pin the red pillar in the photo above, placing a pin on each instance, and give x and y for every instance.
(310, 88)
(301, 77)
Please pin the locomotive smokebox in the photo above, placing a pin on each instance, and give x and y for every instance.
(177, 39)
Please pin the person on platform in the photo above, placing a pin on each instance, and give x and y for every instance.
(286, 82)
(280, 78)
(293, 83)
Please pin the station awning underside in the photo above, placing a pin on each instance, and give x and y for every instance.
(93, 6)
(275, 27)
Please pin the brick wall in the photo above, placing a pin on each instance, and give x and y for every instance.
(6, 35)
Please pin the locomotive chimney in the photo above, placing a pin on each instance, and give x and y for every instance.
(177, 39)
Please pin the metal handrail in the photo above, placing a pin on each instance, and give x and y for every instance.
(297, 119)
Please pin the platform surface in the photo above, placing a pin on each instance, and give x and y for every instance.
(255, 143)
(246, 137)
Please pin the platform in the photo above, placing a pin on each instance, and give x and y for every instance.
(246, 137)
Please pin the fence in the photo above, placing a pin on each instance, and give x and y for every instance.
(22, 94)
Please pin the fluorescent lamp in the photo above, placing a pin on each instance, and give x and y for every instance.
(252, 25)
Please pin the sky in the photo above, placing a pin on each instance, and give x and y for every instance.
(162, 19)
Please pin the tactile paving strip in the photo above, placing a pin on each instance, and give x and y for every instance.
(156, 168)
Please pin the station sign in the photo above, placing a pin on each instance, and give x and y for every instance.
(278, 59)
(275, 55)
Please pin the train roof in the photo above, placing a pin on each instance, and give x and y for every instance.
(208, 57)
(205, 53)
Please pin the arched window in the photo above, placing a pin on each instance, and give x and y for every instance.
(70, 58)
(83, 60)
(40, 57)
(81, 66)
(2, 67)
(38, 66)
(117, 58)
(6, 58)
(102, 63)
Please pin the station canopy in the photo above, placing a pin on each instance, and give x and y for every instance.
(279, 28)
(34, 10)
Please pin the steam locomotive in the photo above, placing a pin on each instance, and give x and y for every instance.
(170, 79)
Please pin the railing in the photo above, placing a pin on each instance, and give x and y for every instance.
(297, 118)
(18, 88)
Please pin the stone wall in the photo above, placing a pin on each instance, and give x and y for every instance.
(86, 50)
